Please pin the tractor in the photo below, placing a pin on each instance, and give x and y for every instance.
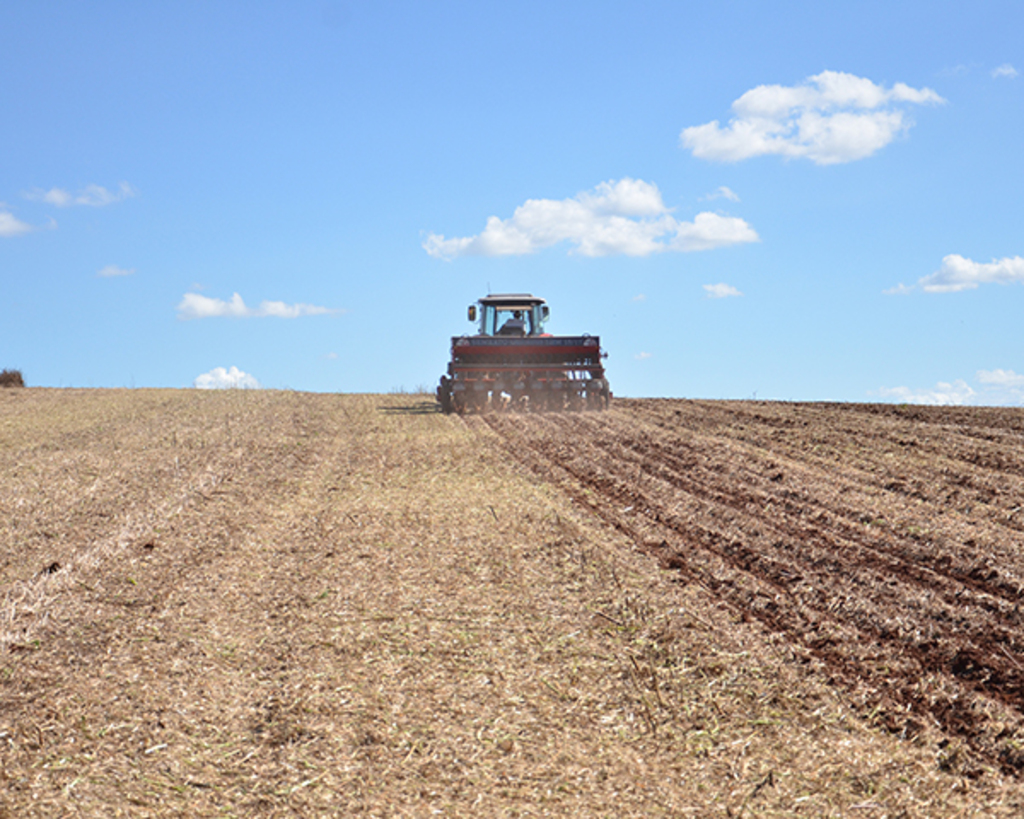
(511, 364)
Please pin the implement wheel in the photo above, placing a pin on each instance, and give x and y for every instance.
(444, 395)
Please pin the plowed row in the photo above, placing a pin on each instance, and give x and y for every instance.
(259, 603)
(882, 543)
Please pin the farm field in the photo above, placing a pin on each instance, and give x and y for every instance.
(272, 603)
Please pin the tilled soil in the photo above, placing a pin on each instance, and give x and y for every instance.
(268, 603)
(882, 543)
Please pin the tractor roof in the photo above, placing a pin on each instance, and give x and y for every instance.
(512, 299)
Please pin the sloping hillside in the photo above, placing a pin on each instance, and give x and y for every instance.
(270, 603)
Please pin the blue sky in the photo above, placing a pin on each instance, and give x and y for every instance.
(801, 201)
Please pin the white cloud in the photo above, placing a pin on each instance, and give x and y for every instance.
(640, 297)
(626, 217)
(1005, 70)
(721, 290)
(899, 290)
(722, 192)
(10, 225)
(833, 117)
(194, 306)
(54, 196)
(92, 195)
(710, 230)
(997, 388)
(1001, 378)
(642, 356)
(944, 394)
(113, 270)
(220, 379)
(959, 273)
(1001, 387)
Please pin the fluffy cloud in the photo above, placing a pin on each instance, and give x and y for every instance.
(92, 195)
(220, 379)
(944, 394)
(832, 117)
(959, 273)
(995, 388)
(1001, 378)
(1001, 387)
(626, 217)
(195, 306)
(721, 291)
(113, 270)
(10, 225)
(1005, 70)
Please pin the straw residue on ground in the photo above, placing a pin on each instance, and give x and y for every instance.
(270, 603)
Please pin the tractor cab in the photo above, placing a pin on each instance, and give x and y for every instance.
(510, 314)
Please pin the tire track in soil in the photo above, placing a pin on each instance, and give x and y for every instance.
(918, 630)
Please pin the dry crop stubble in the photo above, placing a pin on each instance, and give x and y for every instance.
(316, 605)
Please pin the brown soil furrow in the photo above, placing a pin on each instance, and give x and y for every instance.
(965, 561)
(921, 445)
(922, 459)
(685, 475)
(794, 508)
(875, 606)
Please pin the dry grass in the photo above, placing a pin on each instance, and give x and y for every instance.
(285, 604)
(11, 378)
